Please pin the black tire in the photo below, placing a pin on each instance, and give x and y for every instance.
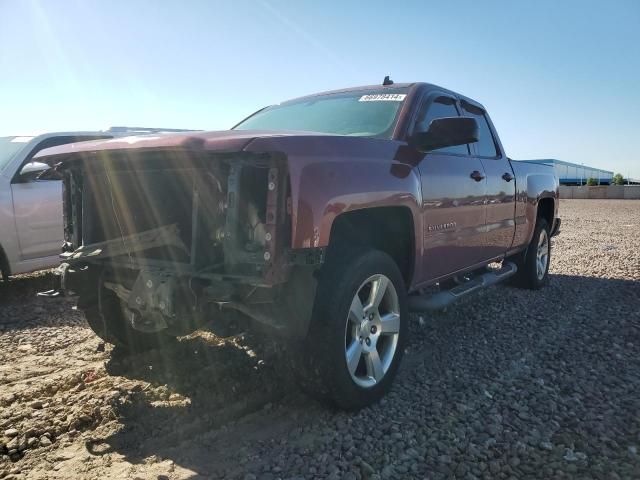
(527, 262)
(4, 266)
(112, 327)
(321, 363)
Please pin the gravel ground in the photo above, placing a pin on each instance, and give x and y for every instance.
(514, 384)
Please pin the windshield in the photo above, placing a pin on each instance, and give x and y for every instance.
(364, 114)
(9, 147)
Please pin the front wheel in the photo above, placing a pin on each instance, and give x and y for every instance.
(357, 334)
(111, 325)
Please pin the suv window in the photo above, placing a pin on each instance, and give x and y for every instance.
(441, 107)
(48, 143)
(486, 145)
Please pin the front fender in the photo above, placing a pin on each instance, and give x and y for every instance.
(332, 175)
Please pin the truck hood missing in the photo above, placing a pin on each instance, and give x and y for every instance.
(212, 142)
(324, 174)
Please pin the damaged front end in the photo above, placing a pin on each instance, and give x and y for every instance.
(180, 238)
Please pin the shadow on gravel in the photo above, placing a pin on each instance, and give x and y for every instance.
(24, 287)
(503, 324)
(196, 386)
(22, 309)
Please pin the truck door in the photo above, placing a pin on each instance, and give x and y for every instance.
(501, 185)
(453, 197)
(37, 207)
(37, 204)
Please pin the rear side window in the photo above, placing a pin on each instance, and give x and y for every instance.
(439, 108)
(486, 145)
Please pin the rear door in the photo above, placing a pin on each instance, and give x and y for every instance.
(453, 195)
(500, 185)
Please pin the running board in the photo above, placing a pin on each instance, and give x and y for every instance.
(443, 299)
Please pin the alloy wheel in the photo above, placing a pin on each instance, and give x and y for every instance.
(542, 254)
(372, 331)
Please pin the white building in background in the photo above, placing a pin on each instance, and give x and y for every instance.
(575, 173)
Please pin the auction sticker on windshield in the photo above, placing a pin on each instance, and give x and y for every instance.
(383, 97)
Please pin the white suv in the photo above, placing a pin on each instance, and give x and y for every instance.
(31, 203)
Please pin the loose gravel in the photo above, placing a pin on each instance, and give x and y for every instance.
(509, 384)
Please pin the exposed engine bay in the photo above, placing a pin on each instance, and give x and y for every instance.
(179, 239)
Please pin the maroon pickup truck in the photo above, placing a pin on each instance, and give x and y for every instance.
(323, 220)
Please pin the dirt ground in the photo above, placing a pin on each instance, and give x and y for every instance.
(513, 384)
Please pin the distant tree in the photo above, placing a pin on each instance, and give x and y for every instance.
(592, 182)
(617, 179)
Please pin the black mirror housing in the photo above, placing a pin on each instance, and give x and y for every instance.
(447, 132)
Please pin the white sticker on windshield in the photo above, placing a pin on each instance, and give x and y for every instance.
(383, 97)
(22, 139)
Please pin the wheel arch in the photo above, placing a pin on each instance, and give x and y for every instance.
(388, 229)
(546, 210)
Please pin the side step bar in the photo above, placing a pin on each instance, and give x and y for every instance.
(443, 299)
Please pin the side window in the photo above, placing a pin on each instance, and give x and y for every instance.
(486, 145)
(441, 107)
(33, 170)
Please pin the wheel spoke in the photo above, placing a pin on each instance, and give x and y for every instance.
(390, 323)
(543, 244)
(542, 255)
(356, 312)
(378, 289)
(374, 365)
(354, 352)
(541, 267)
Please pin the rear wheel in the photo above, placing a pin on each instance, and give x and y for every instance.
(533, 265)
(4, 266)
(357, 334)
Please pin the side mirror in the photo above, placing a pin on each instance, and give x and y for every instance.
(446, 132)
(32, 171)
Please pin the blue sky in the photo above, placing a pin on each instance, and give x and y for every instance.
(560, 79)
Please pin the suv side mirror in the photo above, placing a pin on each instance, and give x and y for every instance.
(32, 170)
(446, 132)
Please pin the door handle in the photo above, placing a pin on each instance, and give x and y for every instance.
(477, 176)
(507, 177)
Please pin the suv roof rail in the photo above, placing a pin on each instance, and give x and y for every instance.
(146, 130)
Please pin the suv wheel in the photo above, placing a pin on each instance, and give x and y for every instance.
(357, 333)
